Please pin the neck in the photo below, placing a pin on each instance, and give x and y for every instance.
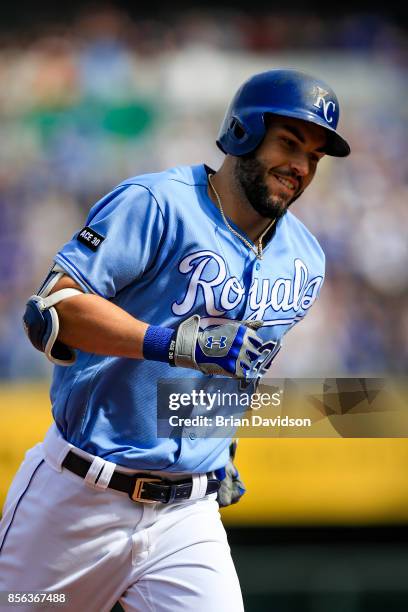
(234, 203)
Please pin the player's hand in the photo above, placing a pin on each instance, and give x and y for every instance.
(227, 349)
(232, 488)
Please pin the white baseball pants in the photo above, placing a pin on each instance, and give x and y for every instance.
(64, 534)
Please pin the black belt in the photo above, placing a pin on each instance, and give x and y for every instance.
(143, 487)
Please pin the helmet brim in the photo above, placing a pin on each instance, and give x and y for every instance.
(336, 145)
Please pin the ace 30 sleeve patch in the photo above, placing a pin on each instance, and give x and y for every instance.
(90, 238)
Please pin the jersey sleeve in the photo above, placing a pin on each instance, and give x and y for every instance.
(119, 243)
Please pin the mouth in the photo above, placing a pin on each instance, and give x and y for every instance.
(290, 184)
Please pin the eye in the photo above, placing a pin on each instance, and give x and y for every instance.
(287, 141)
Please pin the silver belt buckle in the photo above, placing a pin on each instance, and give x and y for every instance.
(138, 490)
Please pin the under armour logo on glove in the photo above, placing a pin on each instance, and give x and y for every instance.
(221, 343)
(229, 349)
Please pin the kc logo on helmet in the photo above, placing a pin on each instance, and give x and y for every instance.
(326, 104)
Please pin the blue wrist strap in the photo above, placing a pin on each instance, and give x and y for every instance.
(156, 343)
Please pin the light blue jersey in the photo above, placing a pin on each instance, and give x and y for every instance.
(157, 246)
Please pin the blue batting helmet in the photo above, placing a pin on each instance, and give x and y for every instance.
(282, 92)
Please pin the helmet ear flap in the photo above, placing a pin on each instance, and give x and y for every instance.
(237, 128)
(240, 135)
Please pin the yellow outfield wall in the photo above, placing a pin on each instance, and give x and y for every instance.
(289, 481)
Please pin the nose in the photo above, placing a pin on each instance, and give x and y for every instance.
(300, 164)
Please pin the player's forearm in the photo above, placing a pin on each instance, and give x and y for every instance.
(95, 325)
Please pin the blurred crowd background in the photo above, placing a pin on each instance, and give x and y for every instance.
(106, 94)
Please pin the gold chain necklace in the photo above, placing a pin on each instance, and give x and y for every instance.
(250, 245)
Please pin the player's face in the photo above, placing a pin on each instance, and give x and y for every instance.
(282, 166)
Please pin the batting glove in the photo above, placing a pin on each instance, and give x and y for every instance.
(232, 488)
(227, 349)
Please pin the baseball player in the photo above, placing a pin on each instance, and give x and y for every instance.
(189, 273)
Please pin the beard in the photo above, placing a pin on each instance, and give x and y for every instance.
(250, 175)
